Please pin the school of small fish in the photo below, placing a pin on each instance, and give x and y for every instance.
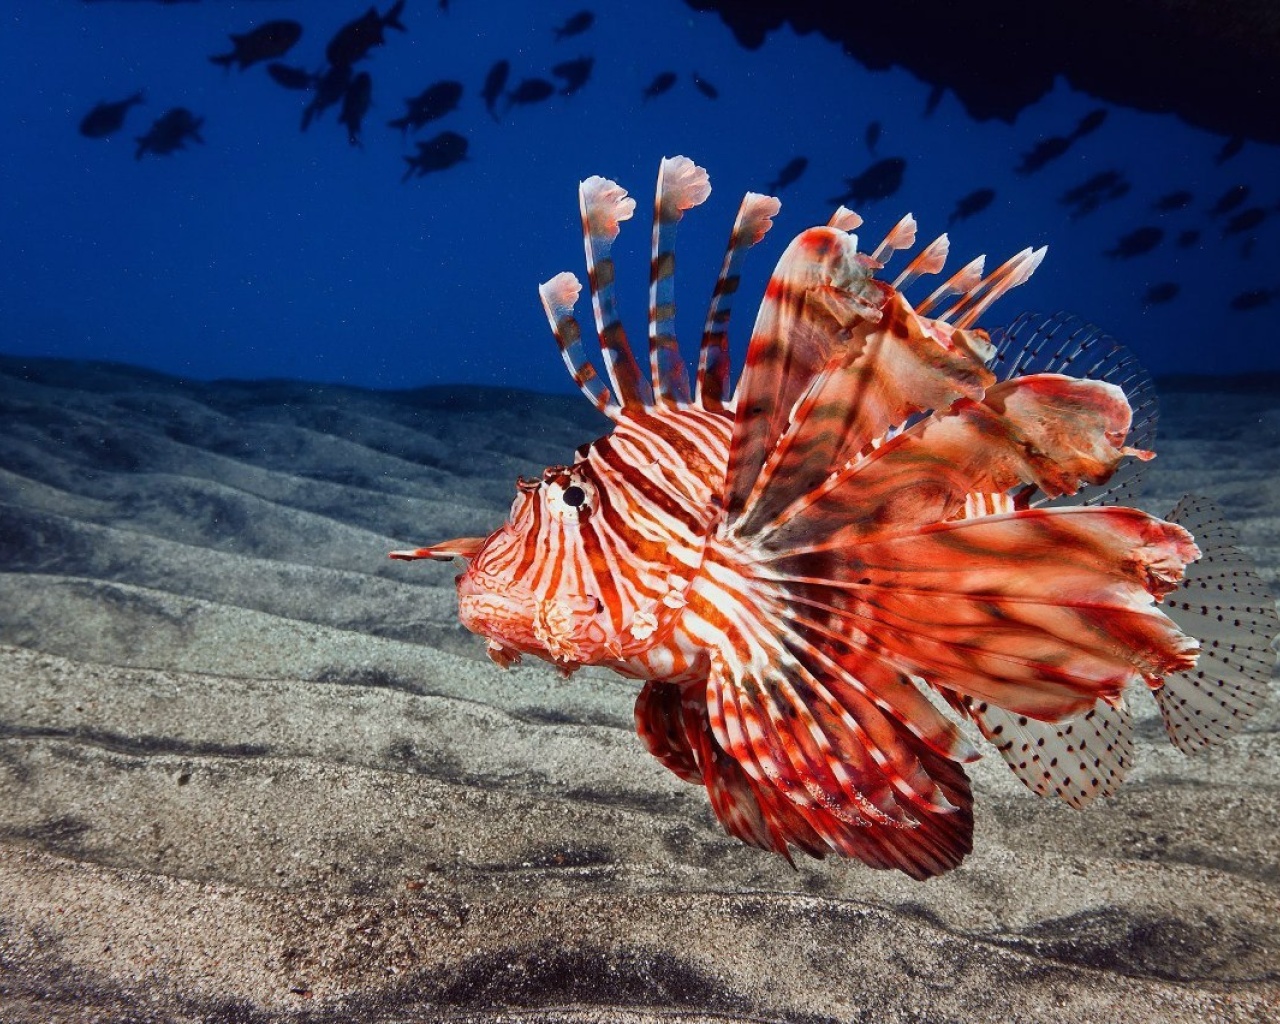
(895, 525)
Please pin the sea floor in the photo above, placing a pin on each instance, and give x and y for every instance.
(252, 770)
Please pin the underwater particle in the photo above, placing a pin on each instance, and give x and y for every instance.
(662, 82)
(1136, 243)
(170, 132)
(879, 181)
(268, 41)
(789, 174)
(574, 74)
(494, 84)
(355, 104)
(433, 103)
(438, 153)
(975, 202)
(106, 118)
(575, 25)
(356, 38)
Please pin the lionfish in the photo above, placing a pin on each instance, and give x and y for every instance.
(882, 522)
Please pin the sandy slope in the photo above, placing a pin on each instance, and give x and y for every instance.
(250, 769)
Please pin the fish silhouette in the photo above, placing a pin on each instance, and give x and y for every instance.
(494, 83)
(706, 88)
(789, 174)
(1229, 200)
(106, 118)
(879, 181)
(1255, 298)
(872, 136)
(531, 90)
(574, 74)
(330, 87)
(1188, 238)
(436, 154)
(291, 77)
(662, 82)
(355, 104)
(1245, 220)
(1089, 124)
(268, 41)
(356, 38)
(1043, 152)
(975, 202)
(935, 97)
(1229, 149)
(1172, 201)
(575, 25)
(1136, 243)
(170, 132)
(433, 103)
(1159, 294)
(1105, 186)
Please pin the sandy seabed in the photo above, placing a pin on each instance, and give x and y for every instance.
(251, 770)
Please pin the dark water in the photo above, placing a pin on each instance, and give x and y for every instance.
(264, 251)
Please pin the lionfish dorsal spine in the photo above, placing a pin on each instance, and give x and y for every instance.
(930, 260)
(755, 218)
(845, 219)
(1016, 270)
(682, 185)
(604, 204)
(901, 236)
(967, 277)
(559, 295)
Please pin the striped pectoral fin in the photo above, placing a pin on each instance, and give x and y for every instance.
(460, 547)
(1225, 604)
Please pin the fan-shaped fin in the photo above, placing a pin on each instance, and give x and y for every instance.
(1014, 271)
(558, 298)
(844, 219)
(931, 259)
(755, 218)
(1224, 604)
(901, 236)
(682, 184)
(604, 205)
(1077, 760)
(964, 279)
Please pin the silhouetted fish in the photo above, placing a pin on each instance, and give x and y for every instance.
(531, 90)
(356, 38)
(1042, 153)
(329, 89)
(1136, 242)
(935, 97)
(494, 82)
(355, 104)
(1159, 294)
(170, 132)
(789, 174)
(1171, 201)
(872, 136)
(1188, 238)
(436, 154)
(106, 118)
(1229, 200)
(975, 202)
(576, 25)
(1105, 186)
(1255, 298)
(291, 77)
(429, 105)
(1089, 124)
(269, 40)
(879, 181)
(1229, 149)
(1245, 220)
(574, 74)
(661, 83)
(706, 88)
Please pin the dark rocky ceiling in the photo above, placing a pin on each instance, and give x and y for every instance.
(1214, 63)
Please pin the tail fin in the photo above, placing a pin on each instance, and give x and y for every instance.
(392, 18)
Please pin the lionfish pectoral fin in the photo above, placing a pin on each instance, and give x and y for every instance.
(460, 547)
(1223, 603)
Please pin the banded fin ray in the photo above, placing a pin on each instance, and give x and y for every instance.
(1224, 604)
(559, 295)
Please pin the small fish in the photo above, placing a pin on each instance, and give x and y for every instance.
(433, 103)
(1171, 201)
(1105, 186)
(106, 118)
(494, 83)
(574, 73)
(575, 25)
(974, 202)
(531, 90)
(706, 88)
(268, 41)
(1136, 243)
(661, 83)
(436, 154)
(789, 174)
(805, 578)
(1229, 149)
(355, 104)
(872, 136)
(1042, 153)
(356, 38)
(1255, 298)
(879, 181)
(330, 87)
(1089, 124)
(170, 132)
(1229, 200)
(1245, 220)
(1159, 294)
(291, 77)
(934, 98)
(1188, 238)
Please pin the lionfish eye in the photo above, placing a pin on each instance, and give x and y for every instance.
(573, 496)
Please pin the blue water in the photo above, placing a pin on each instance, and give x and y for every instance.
(267, 252)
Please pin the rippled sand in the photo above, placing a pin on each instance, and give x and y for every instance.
(252, 770)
